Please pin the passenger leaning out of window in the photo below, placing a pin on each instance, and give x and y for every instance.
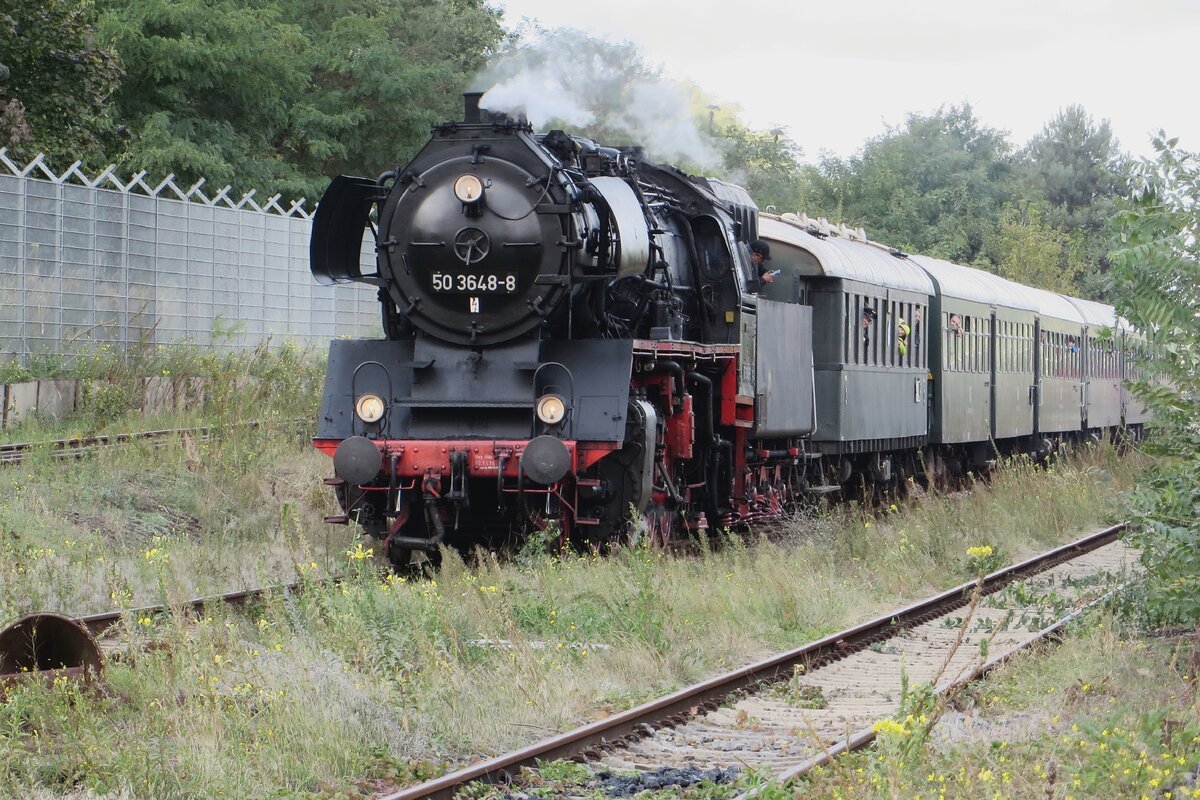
(868, 319)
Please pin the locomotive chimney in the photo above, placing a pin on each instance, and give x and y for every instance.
(471, 114)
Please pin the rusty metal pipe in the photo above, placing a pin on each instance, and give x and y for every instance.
(47, 644)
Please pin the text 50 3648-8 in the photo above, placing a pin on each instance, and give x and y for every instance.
(478, 283)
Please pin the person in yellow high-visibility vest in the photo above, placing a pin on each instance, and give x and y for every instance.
(902, 331)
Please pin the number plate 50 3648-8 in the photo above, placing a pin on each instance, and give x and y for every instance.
(475, 283)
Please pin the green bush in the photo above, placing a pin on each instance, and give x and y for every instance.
(1155, 275)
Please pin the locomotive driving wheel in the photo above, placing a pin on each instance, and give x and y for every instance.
(659, 523)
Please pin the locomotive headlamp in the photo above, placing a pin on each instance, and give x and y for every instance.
(369, 408)
(468, 189)
(551, 409)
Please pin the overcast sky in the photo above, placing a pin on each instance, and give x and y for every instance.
(836, 73)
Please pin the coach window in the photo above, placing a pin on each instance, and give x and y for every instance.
(1027, 348)
(872, 329)
(855, 335)
(921, 314)
(948, 344)
(1028, 351)
(1004, 343)
(851, 349)
(967, 348)
(1022, 348)
(967, 345)
(1035, 348)
(1010, 346)
(980, 343)
(886, 332)
(969, 335)
(986, 345)
(947, 351)
(977, 334)
(1001, 346)
(1018, 341)
(964, 361)
(919, 332)
(897, 310)
(973, 332)
(985, 341)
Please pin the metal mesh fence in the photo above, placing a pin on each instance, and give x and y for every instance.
(95, 260)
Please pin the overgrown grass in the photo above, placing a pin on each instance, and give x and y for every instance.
(335, 692)
(267, 382)
(126, 526)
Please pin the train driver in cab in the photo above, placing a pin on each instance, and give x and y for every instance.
(760, 254)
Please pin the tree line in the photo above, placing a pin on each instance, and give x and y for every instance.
(279, 95)
(268, 94)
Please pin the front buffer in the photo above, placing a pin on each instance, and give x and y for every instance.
(437, 445)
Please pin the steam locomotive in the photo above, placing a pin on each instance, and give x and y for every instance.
(576, 340)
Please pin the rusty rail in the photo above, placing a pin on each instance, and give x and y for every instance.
(678, 706)
(46, 646)
(15, 452)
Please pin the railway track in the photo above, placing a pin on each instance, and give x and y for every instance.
(74, 643)
(99, 624)
(16, 452)
(790, 713)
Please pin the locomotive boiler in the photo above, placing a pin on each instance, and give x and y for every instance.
(572, 342)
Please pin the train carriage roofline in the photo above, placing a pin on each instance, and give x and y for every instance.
(848, 259)
(968, 283)
(1098, 315)
(1054, 307)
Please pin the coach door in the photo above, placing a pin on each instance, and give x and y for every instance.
(993, 386)
(1035, 391)
(1085, 374)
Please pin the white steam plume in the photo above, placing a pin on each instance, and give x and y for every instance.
(598, 89)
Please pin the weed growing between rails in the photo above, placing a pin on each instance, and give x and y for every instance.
(1104, 714)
